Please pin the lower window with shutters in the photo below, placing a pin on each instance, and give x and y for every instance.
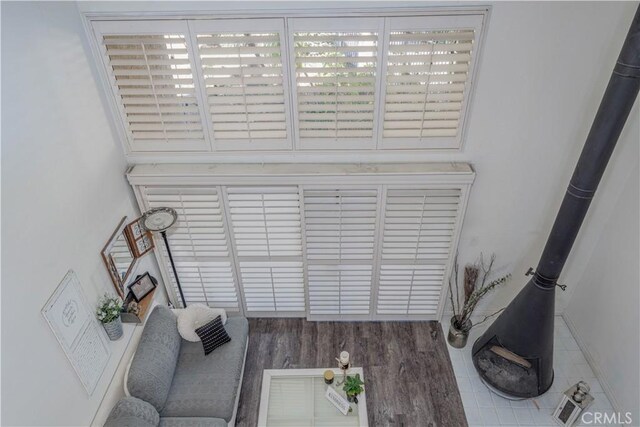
(267, 236)
(199, 245)
(339, 244)
(340, 228)
(418, 235)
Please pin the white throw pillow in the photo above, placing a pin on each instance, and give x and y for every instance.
(194, 316)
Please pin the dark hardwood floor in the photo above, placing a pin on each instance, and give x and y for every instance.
(408, 375)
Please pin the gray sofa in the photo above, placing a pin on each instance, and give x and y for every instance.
(172, 383)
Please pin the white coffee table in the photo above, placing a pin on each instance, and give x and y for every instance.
(296, 398)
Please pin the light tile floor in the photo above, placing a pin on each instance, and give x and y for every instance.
(484, 408)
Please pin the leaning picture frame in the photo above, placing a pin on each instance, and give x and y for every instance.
(141, 240)
(142, 286)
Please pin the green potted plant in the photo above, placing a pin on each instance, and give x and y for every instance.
(476, 285)
(353, 386)
(109, 309)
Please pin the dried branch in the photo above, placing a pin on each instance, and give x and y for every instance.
(455, 271)
(473, 293)
(470, 278)
(453, 306)
(486, 270)
(488, 317)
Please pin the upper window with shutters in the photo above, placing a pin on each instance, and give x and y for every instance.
(291, 84)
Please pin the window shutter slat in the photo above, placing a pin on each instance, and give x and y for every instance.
(418, 232)
(428, 69)
(273, 287)
(336, 71)
(152, 78)
(199, 244)
(414, 86)
(268, 242)
(410, 289)
(339, 290)
(340, 227)
(244, 79)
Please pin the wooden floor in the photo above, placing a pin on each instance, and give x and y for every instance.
(408, 375)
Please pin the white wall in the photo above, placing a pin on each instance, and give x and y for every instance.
(63, 194)
(603, 310)
(541, 77)
(543, 71)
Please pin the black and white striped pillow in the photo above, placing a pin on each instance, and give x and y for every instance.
(213, 335)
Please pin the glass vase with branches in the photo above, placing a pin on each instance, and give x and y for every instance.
(475, 286)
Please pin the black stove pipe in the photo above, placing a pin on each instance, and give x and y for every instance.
(526, 326)
(615, 106)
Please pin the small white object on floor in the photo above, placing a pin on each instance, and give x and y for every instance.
(194, 316)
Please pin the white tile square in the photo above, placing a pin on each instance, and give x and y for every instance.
(560, 384)
(464, 384)
(468, 400)
(549, 400)
(523, 403)
(473, 416)
(459, 368)
(484, 399)
(506, 417)
(489, 416)
(542, 417)
(477, 384)
(524, 416)
(601, 400)
(500, 402)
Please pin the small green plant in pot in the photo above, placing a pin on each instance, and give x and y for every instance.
(353, 386)
(109, 309)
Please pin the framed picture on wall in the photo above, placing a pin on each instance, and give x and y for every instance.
(142, 286)
(140, 239)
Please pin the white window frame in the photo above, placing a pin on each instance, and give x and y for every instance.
(381, 150)
(239, 25)
(426, 23)
(141, 28)
(347, 262)
(409, 175)
(335, 25)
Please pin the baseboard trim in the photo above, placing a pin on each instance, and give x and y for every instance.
(606, 387)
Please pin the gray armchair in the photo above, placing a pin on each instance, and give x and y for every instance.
(172, 383)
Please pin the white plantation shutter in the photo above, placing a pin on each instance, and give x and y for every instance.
(339, 289)
(268, 241)
(419, 227)
(337, 242)
(199, 244)
(151, 72)
(291, 83)
(428, 68)
(340, 227)
(273, 286)
(410, 289)
(244, 78)
(335, 64)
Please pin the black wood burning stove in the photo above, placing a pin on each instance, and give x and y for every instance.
(515, 355)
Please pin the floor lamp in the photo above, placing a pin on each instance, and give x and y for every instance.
(160, 220)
